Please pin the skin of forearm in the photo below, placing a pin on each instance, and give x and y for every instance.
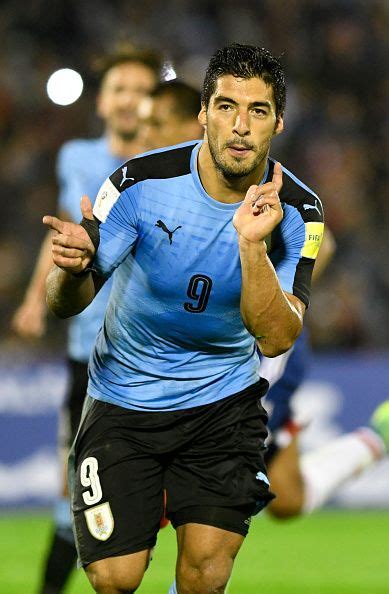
(36, 289)
(266, 312)
(68, 295)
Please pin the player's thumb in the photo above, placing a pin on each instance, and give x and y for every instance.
(89, 222)
(86, 208)
(277, 176)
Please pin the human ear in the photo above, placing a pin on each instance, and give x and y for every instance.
(278, 128)
(202, 117)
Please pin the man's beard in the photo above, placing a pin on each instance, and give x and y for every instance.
(127, 135)
(233, 170)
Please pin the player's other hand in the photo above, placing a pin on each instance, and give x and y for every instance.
(72, 247)
(261, 210)
(29, 320)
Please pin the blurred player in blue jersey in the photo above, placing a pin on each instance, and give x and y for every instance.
(126, 78)
(213, 244)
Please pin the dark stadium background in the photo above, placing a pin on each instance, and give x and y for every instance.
(335, 139)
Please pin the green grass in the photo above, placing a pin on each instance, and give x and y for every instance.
(328, 553)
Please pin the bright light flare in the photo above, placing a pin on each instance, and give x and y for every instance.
(64, 86)
(168, 72)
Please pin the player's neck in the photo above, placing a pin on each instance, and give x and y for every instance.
(123, 148)
(221, 188)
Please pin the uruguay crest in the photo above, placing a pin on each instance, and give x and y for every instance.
(100, 521)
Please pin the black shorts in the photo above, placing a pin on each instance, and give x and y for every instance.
(209, 459)
(70, 413)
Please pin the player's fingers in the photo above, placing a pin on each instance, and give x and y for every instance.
(270, 198)
(86, 208)
(277, 176)
(266, 203)
(71, 241)
(68, 252)
(71, 264)
(255, 192)
(53, 222)
(252, 194)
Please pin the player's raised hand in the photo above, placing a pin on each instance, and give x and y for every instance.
(72, 249)
(261, 210)
(29, 320)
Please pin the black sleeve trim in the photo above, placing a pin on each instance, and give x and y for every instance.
(302, 279)
(159, 165)
(98, 281)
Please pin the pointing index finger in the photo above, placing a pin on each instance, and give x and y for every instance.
(53, 222)
(277, 176)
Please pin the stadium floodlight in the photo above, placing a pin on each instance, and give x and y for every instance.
(168, 72)
(64, 86)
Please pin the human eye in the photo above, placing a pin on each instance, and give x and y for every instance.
(259, 111)
(118, 89)
(225, 106)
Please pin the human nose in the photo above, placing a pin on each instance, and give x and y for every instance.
(242, 124)
(129, 100)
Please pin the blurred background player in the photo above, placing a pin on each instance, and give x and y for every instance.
(126, 78)
(305, 482)
(171, 115)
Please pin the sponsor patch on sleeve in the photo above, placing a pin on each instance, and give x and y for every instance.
(313, 237)
(105, 200)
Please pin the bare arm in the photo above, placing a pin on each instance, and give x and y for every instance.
(274, 317)
(68, 295)
(72, 252)
(29, 320)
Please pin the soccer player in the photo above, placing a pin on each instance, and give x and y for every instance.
(213, 245)
(127, 76)
(171, 115)
(297, 480)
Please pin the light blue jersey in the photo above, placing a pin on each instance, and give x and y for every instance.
(82, 166)
(173, 337)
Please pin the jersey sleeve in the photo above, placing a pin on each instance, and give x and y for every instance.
(117, 213)
(296, 245)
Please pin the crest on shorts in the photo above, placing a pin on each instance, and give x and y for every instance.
(100, 521)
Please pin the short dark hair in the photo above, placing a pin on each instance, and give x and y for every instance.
(128, 53)
(246, 61)
(187, 99)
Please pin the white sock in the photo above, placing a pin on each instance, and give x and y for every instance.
(173, 589)
(326, 469)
